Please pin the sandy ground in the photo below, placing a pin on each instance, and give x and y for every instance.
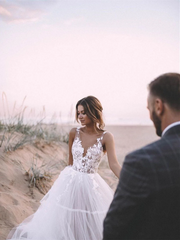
(18, 200)
(130, 138)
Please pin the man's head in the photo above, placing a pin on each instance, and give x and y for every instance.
(164, 100)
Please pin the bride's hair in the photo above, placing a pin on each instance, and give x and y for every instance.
(93, 109)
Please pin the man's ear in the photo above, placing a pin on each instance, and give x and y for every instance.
(159, 107)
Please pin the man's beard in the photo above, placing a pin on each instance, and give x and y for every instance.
(157, 123)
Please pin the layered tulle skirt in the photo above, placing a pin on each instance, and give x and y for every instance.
(73, 209)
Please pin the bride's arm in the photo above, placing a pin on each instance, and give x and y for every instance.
(71, 139)
(111, 154)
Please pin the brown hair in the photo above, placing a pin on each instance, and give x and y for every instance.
(93, 110)
(167, 88)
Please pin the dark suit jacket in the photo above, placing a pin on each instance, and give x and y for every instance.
(146, 203)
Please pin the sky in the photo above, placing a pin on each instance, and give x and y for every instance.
(57, 52)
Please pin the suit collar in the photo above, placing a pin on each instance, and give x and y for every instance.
(170, 126)
(172, 130)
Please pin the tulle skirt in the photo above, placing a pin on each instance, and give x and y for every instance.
(73, 209)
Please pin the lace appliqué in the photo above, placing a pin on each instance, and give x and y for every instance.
(90, 162)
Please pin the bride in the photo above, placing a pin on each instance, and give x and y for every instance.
(75, 206)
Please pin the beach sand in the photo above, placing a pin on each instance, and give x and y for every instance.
(18, 201)
(130, 138)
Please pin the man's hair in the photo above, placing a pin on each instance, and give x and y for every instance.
(167, 88)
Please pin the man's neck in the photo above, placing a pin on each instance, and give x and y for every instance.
(169, 118)
(170, 126)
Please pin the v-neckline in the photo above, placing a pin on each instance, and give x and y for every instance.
(91, 146)
(84, 154)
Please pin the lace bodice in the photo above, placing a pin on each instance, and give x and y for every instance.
(90, 162)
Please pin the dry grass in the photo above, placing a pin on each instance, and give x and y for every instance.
(40, 173)
(15, 132)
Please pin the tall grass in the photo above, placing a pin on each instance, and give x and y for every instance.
(15, 132)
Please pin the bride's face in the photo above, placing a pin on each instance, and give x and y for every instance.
(83, 118)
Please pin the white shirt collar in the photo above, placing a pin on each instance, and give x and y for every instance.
(170, 126)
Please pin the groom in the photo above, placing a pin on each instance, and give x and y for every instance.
(146, 203)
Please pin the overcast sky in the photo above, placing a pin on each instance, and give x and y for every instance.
(57, 52)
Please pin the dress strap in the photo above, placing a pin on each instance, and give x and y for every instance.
(77, 129)
(77, 132)
(101, 138)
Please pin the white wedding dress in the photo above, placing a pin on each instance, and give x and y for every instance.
(75, 206)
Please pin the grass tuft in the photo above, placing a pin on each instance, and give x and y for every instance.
(40, 173)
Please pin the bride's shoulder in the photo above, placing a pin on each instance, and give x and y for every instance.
(72, 132)
(73, 129)
(108, 136)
